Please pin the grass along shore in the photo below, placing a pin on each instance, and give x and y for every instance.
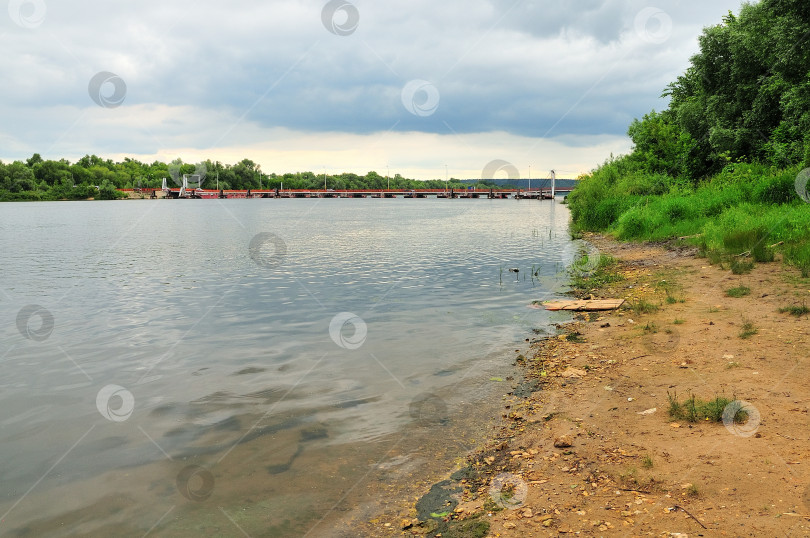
(747, 209)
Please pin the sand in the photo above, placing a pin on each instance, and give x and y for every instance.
(595, 451)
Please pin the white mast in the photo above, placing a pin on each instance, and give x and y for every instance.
(553, 183)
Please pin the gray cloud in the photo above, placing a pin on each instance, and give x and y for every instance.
(529, 68)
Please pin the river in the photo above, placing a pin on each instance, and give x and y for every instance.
(259, 367)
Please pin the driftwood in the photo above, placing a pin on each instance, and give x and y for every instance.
(748, 252)
(585, 306)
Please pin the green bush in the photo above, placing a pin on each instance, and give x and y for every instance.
(677, 209)
(633, 224)
(779, 189)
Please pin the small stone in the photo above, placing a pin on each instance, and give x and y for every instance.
(509, 525)
(573, 373)
(528, 513)
(562, 441)
(548, 522)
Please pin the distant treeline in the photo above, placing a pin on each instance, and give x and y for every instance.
(94, 177)
(534, 183)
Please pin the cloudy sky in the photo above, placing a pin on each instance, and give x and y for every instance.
(342, 85)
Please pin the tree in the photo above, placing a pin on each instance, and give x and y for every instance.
(106, 191)
(660, 144)
(745, 96)
(20, 177)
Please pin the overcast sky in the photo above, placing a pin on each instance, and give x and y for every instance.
(342, 86)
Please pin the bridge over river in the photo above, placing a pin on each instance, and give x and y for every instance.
(500, 194)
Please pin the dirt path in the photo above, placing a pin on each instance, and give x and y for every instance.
(621, 465)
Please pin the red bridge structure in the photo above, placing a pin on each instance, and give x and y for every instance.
(535, 194)
(185, 192)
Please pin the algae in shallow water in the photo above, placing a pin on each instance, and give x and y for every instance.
(439, 499)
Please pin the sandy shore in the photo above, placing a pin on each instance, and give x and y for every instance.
(594, 451)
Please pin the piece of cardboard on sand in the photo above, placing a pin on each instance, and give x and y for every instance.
(585, 305)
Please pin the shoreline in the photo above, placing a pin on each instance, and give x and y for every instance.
(594, 451)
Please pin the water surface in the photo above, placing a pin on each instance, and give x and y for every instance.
(167, 378)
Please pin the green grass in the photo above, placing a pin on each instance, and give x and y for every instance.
(739, 291)
(647, 462)
(575, 337)
(646, 206)
(605, 272)
(798, 255)
(715, 257)
(669, 289)
(753, 242)
(749, 209)
(679, 321)
(795, 310)
(642, 306)
(748, 330)
(741, 266)
(694, 409)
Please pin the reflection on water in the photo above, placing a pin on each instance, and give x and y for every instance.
(198, 377)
